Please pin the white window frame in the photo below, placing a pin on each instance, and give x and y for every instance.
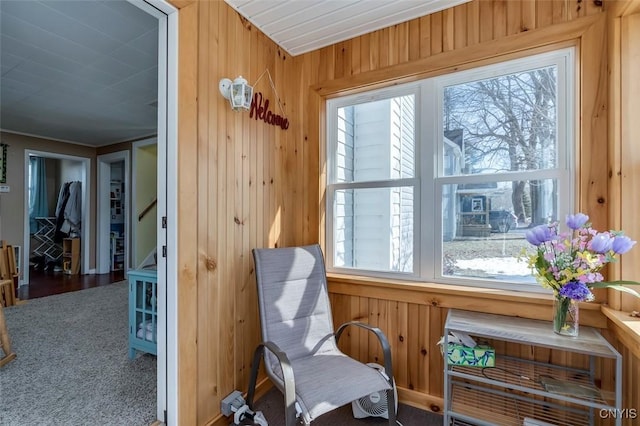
(429, 179)
(333, 186)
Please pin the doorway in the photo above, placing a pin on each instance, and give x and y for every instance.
(71, 169)
(113, 213)
(165, 206)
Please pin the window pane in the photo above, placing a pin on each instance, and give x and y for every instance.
(506, 123)
(376, 140)
(483, 226)
(373, 229)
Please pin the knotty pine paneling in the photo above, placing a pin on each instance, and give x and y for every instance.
(413, 330)
(248, 180)
(245, 184)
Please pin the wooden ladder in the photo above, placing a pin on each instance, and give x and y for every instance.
(8, 273)
(7, 297)
(5, 343)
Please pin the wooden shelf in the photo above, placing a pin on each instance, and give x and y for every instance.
(518, 388)
(71, 256)
(117, 253)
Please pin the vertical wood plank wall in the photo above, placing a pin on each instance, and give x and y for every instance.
(246, 184)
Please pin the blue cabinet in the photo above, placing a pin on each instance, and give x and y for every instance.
(143, 312)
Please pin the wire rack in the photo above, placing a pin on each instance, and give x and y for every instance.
(574, 384)
(511, 408)
(518, 388)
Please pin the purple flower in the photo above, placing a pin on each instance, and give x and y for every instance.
(622, 244)
(538, 235)
(601, 243)
(576, 291)
(576, 221)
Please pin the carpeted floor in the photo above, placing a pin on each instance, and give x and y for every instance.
(72, 366)
(272, 406)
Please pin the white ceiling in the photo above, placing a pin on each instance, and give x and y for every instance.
(78, 71)
(300, 26)
(86, 71)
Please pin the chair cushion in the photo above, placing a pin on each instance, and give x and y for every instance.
(294, 302)
(328, 381)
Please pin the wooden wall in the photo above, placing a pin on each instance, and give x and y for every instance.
(241, 185)
(244, 184)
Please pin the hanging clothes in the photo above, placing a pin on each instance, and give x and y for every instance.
(69, 210)
(63, 198)
(73, 210)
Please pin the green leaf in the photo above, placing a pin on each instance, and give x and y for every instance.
(617, 285)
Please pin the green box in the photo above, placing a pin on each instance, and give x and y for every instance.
(480, 356)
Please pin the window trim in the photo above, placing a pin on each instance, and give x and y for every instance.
(427, 244)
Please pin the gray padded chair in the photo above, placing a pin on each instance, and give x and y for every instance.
(301, 357)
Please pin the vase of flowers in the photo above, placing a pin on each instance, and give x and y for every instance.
(569, 264)
(566, 316)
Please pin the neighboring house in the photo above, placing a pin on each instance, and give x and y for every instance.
(374, 224)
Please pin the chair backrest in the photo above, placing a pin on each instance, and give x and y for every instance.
(295, 313)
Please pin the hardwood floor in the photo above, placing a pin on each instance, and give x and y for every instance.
(45, 283)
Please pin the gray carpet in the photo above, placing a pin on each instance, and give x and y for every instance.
(72, 366)
(272, 406)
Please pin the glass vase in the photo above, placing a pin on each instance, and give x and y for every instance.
(565, 316)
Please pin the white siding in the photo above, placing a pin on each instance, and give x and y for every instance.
(372, 207)
(403, 161)
(343, 215)
(373, 228)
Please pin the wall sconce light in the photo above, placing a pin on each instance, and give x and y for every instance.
(238, 92)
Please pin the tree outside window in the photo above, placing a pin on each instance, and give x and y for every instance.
(438, 180)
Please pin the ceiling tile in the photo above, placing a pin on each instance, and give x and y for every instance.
(147, 43)
(33, 14)
(30, 36)
(18, 86)
(8, 60)
(134, 58)
(82, 71)
(106, 20)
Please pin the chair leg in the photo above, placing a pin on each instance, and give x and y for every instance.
(291, 419)
(391, 407)
(254, 375)
(287, 376)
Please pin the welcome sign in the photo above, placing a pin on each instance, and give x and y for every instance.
(260, 111)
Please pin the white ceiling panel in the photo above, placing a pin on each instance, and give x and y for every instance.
(147, 43)
(300, 26)
(79, 71)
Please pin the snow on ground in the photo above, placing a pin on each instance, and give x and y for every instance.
(495, 265)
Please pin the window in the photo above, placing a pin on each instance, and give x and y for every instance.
(438, 180)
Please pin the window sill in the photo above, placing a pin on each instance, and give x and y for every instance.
(625, 327)
(496, 301)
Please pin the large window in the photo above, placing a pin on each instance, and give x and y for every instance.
(439, 179)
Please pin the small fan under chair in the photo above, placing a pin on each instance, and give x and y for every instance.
(374, 404)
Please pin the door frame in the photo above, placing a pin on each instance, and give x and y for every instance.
(103, 210)
(85, 233)
(135, 146)
(167, 207)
